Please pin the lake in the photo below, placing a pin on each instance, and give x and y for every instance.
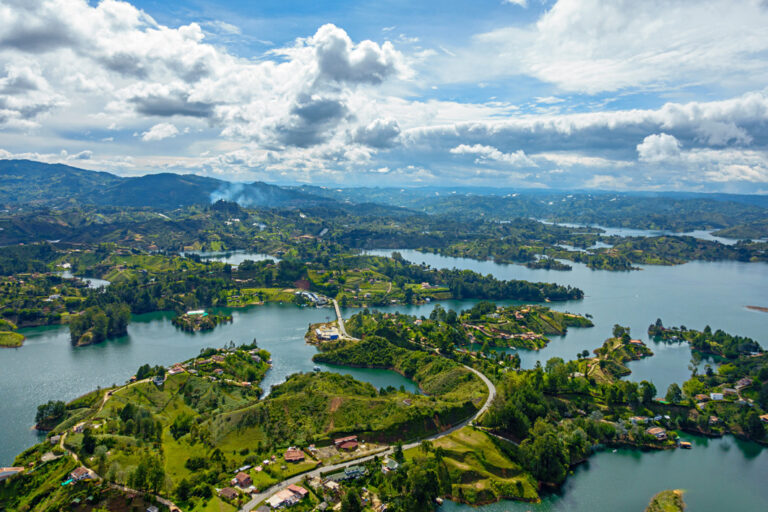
(717, 475)
(694, 294)
(47, 367)
(723, 472)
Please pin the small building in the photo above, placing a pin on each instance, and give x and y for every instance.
(348, 446)
(714, 420)
(80, 473)
(743, 383)
(293, 455)
(327, 333)
(764, 418)
(716, 396)
(353, 472)
(9, 472)
(701, 397)
(298, 490)
(730, 391)
(242, 480)
(332, 486)
(658, 432)
(287, 497)
(636, 342)
(635, 420)
(153, 508)
(228, 493)
(158, 380)
(341, 440)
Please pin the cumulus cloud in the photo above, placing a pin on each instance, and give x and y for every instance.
(381, 133)
(159, 132)
(659, 148)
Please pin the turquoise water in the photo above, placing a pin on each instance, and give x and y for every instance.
(723, 474)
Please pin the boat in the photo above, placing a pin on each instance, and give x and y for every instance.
(686, 445)
(316, 368)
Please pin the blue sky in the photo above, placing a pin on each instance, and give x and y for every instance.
(577, 94)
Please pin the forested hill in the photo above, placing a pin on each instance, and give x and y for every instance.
(24, 182)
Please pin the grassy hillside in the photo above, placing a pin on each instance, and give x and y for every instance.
(479, 471)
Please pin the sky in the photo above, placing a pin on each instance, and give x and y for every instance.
(567, 94)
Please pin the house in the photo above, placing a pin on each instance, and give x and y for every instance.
(298, 490)
(158, 380)
(293, 455)
(743, 383)
(228, 493)
(80, 473)
(353, 472)
(218, 358)
(716, 396)
(636, 342)
(9, 472)
(639, 419)
(78, 429)
(389, 465)
(764, 418)
(327, 333)
(730, 391)
(347, 446)
(242, 480)
(341, 440)
(287, 497)
(658, 432)
(332, 486)
(152, 508)
(701, 397)
(714, 420)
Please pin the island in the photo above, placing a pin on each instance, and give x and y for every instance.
(667, 501)
(199, 320)
(8, 337)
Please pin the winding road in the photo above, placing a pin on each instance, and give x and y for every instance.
(258, 498)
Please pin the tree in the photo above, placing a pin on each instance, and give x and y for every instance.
(183, 490)
(647, 391)
(753, 425)
(674, 393)
(351, 501)
(398, 453)
(89, 442)
(51, 413)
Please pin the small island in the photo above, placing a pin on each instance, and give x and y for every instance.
(667, 501)
(9, 338)
(199, 320)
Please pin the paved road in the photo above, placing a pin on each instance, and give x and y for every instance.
(340, 319)
(258, 498)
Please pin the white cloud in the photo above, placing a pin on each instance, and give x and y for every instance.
(521, 3)
(489, 153)
(659, 148)
(159, 132)
(593, 45)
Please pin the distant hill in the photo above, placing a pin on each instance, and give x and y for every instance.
(25, 182)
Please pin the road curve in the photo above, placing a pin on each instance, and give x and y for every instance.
(258, 498)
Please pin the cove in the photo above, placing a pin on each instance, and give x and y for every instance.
(47, 367)
(716, 475)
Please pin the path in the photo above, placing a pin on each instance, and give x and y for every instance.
(258, 498)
